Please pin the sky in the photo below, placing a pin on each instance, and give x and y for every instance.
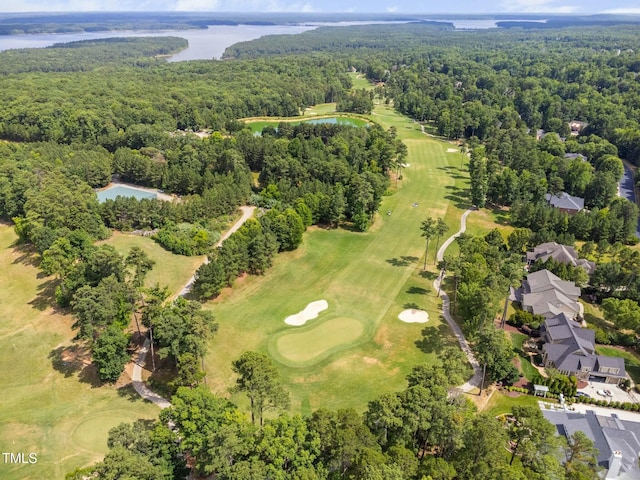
(326, 6)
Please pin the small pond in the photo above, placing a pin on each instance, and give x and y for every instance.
(124, 191)
(256, 127)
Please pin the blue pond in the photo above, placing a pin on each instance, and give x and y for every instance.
(124, 191)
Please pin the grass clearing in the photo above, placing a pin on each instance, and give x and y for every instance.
(500, 403)
(50, 404)
(368, 277)
(170, 269)
(359, 81)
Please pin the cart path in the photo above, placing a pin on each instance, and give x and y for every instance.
(138, 384)
(474, 382)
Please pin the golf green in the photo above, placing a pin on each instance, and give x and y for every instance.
(318, 342)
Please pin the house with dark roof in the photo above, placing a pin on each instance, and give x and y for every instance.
(617, 440)
(565, 202)
(560, 253)
(546, 294)
(571, 350)
(573, 156)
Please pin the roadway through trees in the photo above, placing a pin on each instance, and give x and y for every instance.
(138, 384)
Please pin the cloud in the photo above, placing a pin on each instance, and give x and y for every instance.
(537, 6)
(196, 5)
(393, 9)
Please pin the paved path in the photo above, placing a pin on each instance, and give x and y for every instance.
(247, 213)
(138, 384)
(474, 382)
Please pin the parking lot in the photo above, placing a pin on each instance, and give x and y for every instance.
(617, 394)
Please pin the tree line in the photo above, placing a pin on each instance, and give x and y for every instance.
(425, 431)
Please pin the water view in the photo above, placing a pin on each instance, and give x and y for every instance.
(203, 44)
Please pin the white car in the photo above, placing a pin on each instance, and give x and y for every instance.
(602, 393)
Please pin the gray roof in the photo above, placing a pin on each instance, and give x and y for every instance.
(572, 349)
(616, 440)
(544, 293)
(566, 201)
(560, 253)
(544, 281)
(573, 156)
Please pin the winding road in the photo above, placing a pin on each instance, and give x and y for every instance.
(474, 382)
(138, 384)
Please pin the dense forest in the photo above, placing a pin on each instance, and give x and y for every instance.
(73, 116)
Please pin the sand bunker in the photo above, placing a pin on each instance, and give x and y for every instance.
(310, 312)
(452, 150)
(414, 316)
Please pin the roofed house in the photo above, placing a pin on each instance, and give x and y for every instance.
(546, 294)
(573, 156)
(560, 253)
(571, 350)
(576, 127)
(565, 202)
(617, 440)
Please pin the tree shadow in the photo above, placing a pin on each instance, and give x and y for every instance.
(433, 339)
(27, 255)
(67, 360)
(411, 306)
(89, 375)
(428, 275)
(460, 196)
(75, 359)
(501, 216)
(46, 296)
(417, 291)
(403, 261)
(129, 393)
(454, 172)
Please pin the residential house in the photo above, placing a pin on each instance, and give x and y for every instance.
(565, 202)
(571, 350)
(560, 253)
(546, 294)
(573, 156)
(617, 440)
(576, 127)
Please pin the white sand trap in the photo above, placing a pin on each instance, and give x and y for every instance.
(310, 312)
(414, 316)
(452, 150)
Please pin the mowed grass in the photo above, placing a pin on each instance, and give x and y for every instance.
(500, 403)
(50, 403)
(306, 346)
(170, 270)
(368, 277)
(359, 81)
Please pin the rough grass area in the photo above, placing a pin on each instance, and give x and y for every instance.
(368, 277)
(170, 269)
(51, 403)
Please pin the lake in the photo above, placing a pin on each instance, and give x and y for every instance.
(203, 44)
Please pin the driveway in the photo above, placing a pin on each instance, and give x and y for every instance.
(619, 395)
